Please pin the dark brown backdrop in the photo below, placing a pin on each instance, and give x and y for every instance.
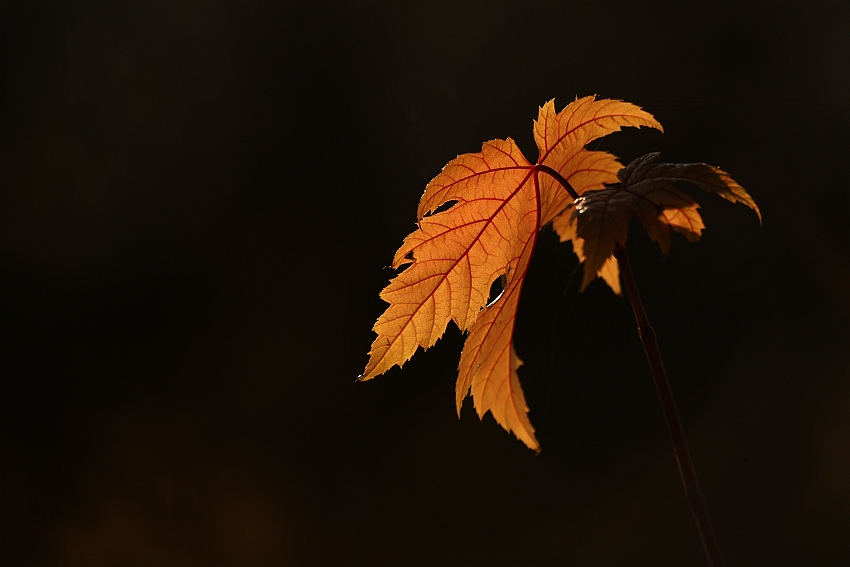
(197, 200)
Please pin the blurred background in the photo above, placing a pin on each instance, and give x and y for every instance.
(198, 200)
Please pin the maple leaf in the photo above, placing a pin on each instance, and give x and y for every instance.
(497, 203)
(647, 189)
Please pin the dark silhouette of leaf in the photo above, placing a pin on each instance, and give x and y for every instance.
(647, 189)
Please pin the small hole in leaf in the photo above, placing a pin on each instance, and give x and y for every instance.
(444, 207)
(497, 288)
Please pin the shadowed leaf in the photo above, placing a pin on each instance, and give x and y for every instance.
(647, 189)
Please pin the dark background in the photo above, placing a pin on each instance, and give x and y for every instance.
(197, 202)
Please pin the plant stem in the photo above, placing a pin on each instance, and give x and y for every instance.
(671, 415)
(665, 395)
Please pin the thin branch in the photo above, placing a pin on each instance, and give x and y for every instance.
(671, 415)
(665, 395)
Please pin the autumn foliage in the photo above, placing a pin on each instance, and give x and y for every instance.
(479, 220)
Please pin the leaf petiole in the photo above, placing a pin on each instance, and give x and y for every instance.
(558, 177)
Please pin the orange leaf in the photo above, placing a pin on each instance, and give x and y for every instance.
(497, 202)
(647, 189)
